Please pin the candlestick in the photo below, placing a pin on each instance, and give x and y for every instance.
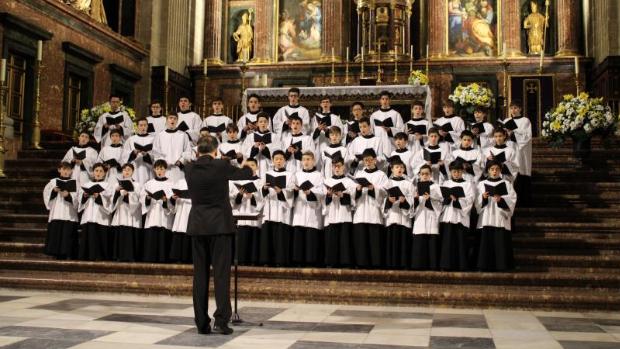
(379, 64)
(411, 60)
(576, 65)
(39, 50)
(504, 50)
(36, 126)
(362, 67)
(333, 79)
(166, 73)
(333, 54)
(3, 90)
(204, 67)
(427, 60)
(3, 70)
(395, 64)
(346, 69)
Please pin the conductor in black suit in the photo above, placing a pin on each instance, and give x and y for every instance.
(211, 227)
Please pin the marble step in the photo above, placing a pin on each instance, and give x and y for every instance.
(331, 292)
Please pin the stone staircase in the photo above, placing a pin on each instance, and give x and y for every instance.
(567, 248)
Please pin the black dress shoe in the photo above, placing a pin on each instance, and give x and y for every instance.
(205, 331)
(222, 329)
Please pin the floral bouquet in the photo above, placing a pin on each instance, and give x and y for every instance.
(472, 96)
(417, 78)
(89, 117)
(579, 118)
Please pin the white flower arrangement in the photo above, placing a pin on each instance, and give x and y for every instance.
(578, 117)
(417, 78)
(472, 95)
(89, 117)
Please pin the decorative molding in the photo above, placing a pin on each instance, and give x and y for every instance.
(24, 27)
(81, 53)
(124, 73)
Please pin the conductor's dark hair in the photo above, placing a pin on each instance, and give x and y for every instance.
(293, 90)
(160, 163)
(262, 115)
(365, 120)
(128, 165)
(207, 144)
(467, 133)
(456, 165)
(65, 164)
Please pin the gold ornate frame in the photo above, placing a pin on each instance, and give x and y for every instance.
(499, 37)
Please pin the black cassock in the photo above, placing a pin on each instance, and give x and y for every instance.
(210, 224)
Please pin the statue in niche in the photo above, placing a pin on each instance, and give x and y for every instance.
(535, 25)
(244, 36)
(383, 15)
(93, 8)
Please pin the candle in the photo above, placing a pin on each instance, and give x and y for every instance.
(347, 53)
(576, 65)
(427, 51)
(504, 50)
(395, 53)
(166, 74)
(411, 52)
(362, 53)
(3, 71)
(411, 59)
(39, 50)
(204, 67)
(333, 54)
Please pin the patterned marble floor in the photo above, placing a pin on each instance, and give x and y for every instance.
(50, 320)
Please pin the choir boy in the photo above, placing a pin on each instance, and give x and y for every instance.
(188, 120)
(397, 212)
(246, 200)
(181, 246)
(368, 230)
(417, 128)
(520, 129)
(138, 152)
(307, 224)
(217, 122)
(61, 200)
(126, 224)
(386, 122)
(115, 119)
(450, 126)
(470, 157)
(173, 146)
(82, 157)
(154, 198)
(335, 149)
(322, 122)
(435, 155)
(427, 208)
(231, 148)
(458, 198)
(296, 143)
(504, 155)
(495, 202)
(247, 122)
(261, 144)
(482, 130)
(402, 153)
(277, 192)
(338, 212)
(281, 119)
(94, 205)
(111, 156)
(366, 140)
(352, 128)
(156, 120)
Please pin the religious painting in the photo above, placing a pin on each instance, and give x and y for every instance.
(300, 26)
(240, 43)
(472, 28)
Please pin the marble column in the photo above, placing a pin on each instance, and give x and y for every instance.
(213, 31)
(511, 26)
(332, 35)
(437, 35)
(263, 32)
(569, 27)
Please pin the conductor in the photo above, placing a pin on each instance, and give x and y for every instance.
(211, 227)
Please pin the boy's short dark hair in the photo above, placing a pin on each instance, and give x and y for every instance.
(338, 160)
(492, 163)
(263, 115)
(358, 103)
(308, 153)
(128, 165)
(232, 128)
(335, 130)
(365, 120)
(116, 131)
(432, 130)
(100, 164)
(252, 160)
(293, 90)
(500, 129)
(516, 103)
(369, 152)
(448, 103)
(397, 162)
(425, 167)
(186, 97)
(481, 109)
(385, 93)
(114, 95)
(456, 165)
(217, 99)
(278, 152)
(140, 119)
(467, 133)
(160, 163)
(253, 95)
(155, 101)
(204, 129)
(401, 135)
(417, 103)
(65, 164)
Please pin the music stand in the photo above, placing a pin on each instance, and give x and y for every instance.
(236, 319)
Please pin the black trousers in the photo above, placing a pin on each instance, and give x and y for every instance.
(215, 250)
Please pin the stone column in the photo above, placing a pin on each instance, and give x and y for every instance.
(511, 26)
(213, 31)
(437, 35)
(264, 35)
(333, 23)
(569, 27)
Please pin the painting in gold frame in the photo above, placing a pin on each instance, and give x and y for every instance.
(472, 29)
(299, 27)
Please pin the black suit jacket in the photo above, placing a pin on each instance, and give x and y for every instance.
(207, 183)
